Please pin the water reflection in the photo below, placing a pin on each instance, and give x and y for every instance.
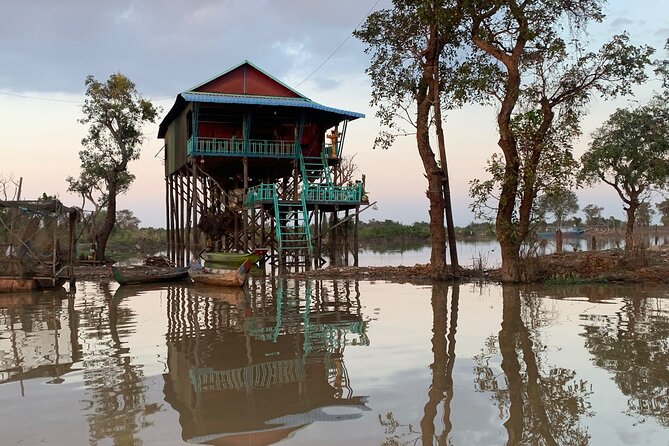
(633, 345)
(276, 362)
(541, 403)
(35, 344)
(254, 366)
(444, 327)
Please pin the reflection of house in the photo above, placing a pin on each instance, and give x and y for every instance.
(253, 163)
(37, 346)
(256, 373)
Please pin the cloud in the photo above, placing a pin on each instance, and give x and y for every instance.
(621, 23)
(662, 32)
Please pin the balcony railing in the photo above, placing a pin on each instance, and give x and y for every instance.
(340, 194)
(320, 193)
(240, 147)
(260, 193)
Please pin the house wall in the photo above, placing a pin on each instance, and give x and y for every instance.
(246, 80)
(176, 141)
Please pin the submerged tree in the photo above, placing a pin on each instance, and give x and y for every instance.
(561, 203)
(663, 208)
(620, 154)
(409, 46)
(115, 114)
(522, 57)
(593, 215)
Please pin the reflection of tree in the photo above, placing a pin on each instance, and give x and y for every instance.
(541, 407)
(633, 346)
(444, 328)
(115, 388)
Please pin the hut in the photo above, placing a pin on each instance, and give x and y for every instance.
(252, 163)
(36, 244)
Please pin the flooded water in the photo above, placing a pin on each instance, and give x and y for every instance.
(335, 362)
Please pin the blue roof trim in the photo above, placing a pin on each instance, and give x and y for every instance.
(218, 98)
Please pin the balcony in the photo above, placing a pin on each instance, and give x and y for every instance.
(241, 147)
(265, 193)
(334, 194)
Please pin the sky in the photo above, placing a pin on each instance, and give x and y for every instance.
(48, 48)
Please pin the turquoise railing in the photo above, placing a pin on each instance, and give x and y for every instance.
(240, 147)
(261, 193)
(347, 194)
(307, 231)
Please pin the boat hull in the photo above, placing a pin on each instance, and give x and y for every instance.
(225, 279)
(14, 285)
(222, 260)
(140, 276)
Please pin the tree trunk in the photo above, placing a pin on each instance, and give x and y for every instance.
(436, 198)
(433, 172)
(631, 218)
(105, 230)
(436, 97)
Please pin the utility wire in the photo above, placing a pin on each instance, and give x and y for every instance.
(6, 93)
(340, 45)
(39, 98)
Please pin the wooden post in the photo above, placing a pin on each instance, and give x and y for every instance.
(196, 204)
(346, 231)
(182, 220)
(245, 217)
(70, 265)
(317, 248)
(189, 212)
(167, 215)
(356, 246)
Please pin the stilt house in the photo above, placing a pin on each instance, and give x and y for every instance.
(251, 163)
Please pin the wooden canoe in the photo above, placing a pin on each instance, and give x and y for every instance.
(139, 274)
(231, 259)
(235, 278)
(10, 284)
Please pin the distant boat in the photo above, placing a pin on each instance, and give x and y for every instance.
(574, 231)
(142, 274)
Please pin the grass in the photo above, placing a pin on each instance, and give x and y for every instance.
(573, 279)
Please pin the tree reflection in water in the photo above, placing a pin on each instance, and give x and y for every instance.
(115, 388)
(542, 404)
(634, 346)
(444, 326)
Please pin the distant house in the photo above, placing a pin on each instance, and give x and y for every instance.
(252, 163)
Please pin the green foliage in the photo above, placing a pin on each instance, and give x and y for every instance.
(126, 220)
(644, 214)
(114, 113)
(663, 208)
(559, 202)
(542, 78)
(593, 215)
(620, 151)
(137, 240)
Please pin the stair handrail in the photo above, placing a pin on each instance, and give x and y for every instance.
(326, 169)
(305, 218)
(277, 218)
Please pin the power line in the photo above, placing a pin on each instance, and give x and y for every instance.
(6, 93)
(40, 98)
(341, 44)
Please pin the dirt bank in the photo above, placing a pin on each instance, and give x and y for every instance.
(601, 266)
